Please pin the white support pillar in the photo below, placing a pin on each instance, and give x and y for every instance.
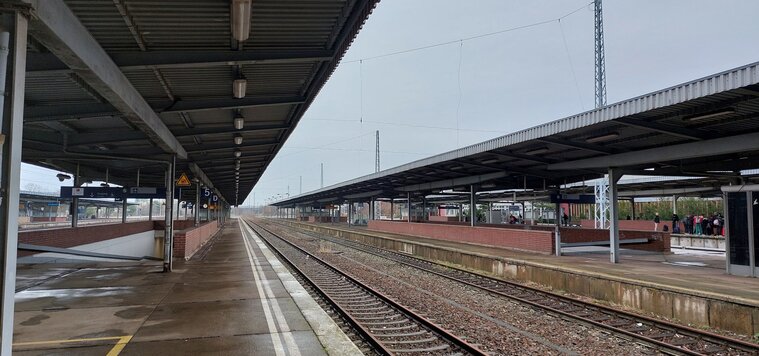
(674, 205)
(472, 206)
(13, 77)
(350, 213)
(614, 175)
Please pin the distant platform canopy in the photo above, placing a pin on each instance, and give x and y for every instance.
(705, 128)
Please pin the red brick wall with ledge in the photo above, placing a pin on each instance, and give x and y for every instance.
(191, 239)
(523, 240)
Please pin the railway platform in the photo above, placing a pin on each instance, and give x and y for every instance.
(691, 288)
(234, 297)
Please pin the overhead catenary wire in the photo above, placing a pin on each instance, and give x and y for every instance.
(409, 125)
(571, 66)
(488, 34)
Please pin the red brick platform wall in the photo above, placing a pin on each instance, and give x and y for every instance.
(532, 241)
(658, 241)
(189, 241)
(75, 236)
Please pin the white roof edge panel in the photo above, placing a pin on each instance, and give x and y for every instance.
(721, 82)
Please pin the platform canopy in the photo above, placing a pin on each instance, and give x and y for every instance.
(708, 127)
(121, 84)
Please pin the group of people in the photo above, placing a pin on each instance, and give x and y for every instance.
(711, 225)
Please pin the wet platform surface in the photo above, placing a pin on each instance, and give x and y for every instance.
(689, 271)
(232, 301)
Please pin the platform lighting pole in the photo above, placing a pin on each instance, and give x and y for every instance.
(600, 56)
(614, 175)
(196, 207)
(12, 77)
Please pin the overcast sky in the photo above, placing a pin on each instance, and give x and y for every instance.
(492, 85)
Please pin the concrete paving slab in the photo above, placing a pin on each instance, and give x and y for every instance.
(75, 298)
(86, 323)
(71, 351)
(109, 277)
(308, 345)
(213, 291)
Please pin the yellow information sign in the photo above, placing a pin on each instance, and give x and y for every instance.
(183, 181)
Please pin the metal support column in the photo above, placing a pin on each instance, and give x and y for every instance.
(425, 214)
(674, 205)
(472, 206)
(75, 200)
(408, 206)
(350, 213)
(632, 203)
(392, 209)
(168, 237)
(150, 210)
(371, 209)
(614, 176)
(557, 230)
(124, 211)
(13, 78)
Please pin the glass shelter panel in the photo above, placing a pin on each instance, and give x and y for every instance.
(737, 220)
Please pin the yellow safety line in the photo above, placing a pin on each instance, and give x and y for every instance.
(70, 340)
(116, 350)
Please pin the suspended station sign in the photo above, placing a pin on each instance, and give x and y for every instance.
(573, 198)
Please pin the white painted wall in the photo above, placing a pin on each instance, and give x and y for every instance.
(138, 245)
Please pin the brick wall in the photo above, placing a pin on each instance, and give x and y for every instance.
(75, 236)
(524, 240)
(657, 241)
(178, 224)
(190, 240)
(645, 225)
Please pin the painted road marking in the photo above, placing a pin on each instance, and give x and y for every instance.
(292, 347)
(279, 349)
(121, 342)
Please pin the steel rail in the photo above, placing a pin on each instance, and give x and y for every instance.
(444, 334)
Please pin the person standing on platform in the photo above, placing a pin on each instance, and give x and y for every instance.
(675, 223)
(697, 224)
(688, 224)
(657, 220)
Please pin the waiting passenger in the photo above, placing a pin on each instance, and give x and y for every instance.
(657, 220)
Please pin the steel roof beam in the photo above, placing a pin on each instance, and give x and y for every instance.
(59, 30)
(41, 113)
(577, 145)
(212, 148)
(683, 132)
(112, 137)
(666, 192)
(707, 148)
(449, 183)
(47, 62)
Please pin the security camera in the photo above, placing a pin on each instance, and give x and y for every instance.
(62, 177)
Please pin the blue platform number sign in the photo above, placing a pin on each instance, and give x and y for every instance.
(215, 198)
(206, 192)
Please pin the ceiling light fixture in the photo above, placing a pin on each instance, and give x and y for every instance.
(240, 14)
(602, 138)
(537, 151)
(489, 161)
(710, 115)
(239, 122)
(239, 86)
(238, 139)
(238, 153)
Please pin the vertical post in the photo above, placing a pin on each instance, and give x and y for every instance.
(472, 206)
(614, 176)
(322, 175)
(392, 209)
(350, 213)
(168, 237)
(425, 214)
(632, 202)
(150, 210)
(557, 229)
(408, 205)
(196, 207)
(124, 211)
(371, 209)
(75, 200)
(674, 205)
(208, 210)
(11, 128)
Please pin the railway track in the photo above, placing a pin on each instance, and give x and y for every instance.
(387, 326)
(667, 337)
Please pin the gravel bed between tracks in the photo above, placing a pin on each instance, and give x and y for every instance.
(499, 325)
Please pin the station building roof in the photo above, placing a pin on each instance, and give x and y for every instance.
(707, 127)
(119, 84)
